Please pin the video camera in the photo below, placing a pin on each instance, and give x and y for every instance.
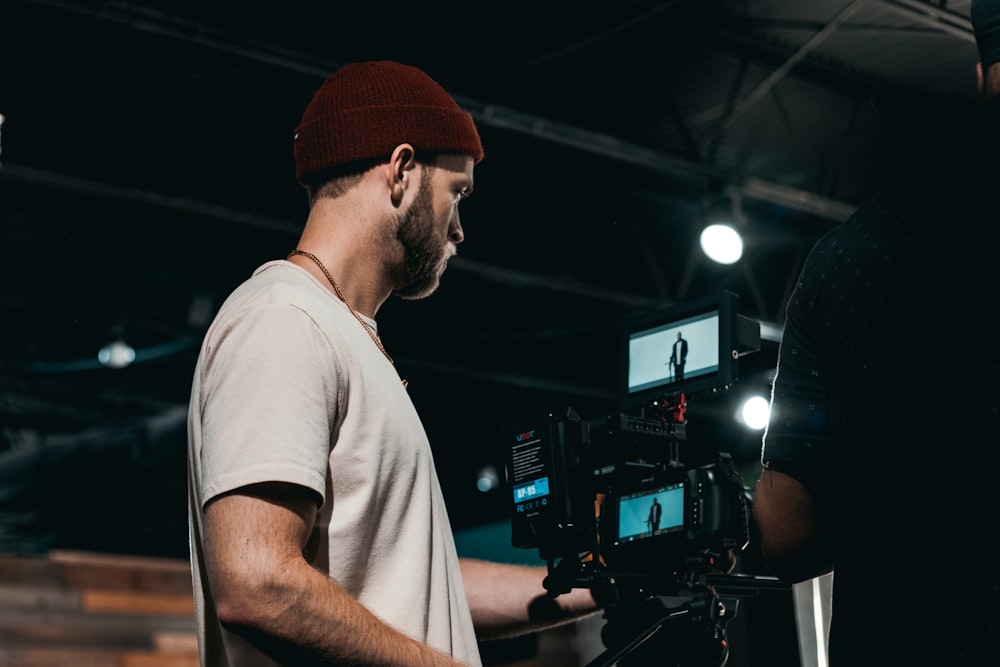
(611, 504)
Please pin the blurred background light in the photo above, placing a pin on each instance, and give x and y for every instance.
(117, 354)
(722, 243)
(755, 412)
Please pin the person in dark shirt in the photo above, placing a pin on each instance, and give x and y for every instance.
(655, 512)
(678, 357)
(882, 456)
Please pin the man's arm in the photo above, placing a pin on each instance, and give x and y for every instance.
(509, 600)
(267, 592)
(792, 539)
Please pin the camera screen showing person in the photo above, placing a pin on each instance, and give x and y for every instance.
(651, 513)
(673, 352)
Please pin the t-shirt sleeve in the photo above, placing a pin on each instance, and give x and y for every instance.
(269, 400)
(798, 430)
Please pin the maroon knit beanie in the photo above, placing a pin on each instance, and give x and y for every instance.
(364, 110)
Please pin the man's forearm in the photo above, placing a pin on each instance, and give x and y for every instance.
(509, 600)
(306, 618)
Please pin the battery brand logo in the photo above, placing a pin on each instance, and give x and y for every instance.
(527, 435)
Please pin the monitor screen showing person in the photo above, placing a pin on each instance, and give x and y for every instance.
(651, 513)
(674, 352)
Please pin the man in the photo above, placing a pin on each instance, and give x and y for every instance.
(318, 529)
(655, 512)
(678, 357)
(877, 467)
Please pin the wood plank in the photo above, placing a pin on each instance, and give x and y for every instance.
(41, 599)
(28, 570)
(65, 557)
(18, 629)
(56, 657)
(78, 569)
(157, 660)
(133, 573)
(176, 642)
(127, 602)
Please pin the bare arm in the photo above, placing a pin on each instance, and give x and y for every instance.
(509, 600)
(792, 539)
(267, 592)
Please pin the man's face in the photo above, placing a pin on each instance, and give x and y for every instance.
(430, 230)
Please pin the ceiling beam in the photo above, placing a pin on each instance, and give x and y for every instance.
(149, 20)
(680, 169)
(779, 73)
(499, 274)
(512, 277)
(936, 17)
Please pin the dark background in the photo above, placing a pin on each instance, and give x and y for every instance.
(146, 169)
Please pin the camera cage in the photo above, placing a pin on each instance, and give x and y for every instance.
(580, 489)
(557, 464)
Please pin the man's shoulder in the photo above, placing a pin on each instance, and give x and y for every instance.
(279, 281)
(282, 292)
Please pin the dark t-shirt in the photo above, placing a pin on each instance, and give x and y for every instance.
(886, 398)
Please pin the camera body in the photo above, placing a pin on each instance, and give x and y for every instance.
(658, 515)
(615, 489)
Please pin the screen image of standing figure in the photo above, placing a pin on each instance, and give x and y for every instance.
(655, 511)
(678, 356)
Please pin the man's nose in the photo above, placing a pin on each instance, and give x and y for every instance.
(455, 233)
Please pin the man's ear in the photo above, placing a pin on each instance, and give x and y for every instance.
(401, 165)
(980, 79)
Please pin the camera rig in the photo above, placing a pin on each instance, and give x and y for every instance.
(611, 505)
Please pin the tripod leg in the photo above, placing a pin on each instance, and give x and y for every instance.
(613, 655)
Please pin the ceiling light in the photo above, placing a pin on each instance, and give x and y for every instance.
(722, 243)
(721, 239)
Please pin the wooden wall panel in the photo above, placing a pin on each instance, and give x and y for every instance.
(71, 609)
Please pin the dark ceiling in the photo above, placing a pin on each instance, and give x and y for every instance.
(145, 170)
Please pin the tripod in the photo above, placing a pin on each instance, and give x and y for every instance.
(689, 634)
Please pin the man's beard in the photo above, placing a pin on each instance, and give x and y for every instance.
(423, 250)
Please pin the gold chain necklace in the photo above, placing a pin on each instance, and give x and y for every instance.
(336, 288)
